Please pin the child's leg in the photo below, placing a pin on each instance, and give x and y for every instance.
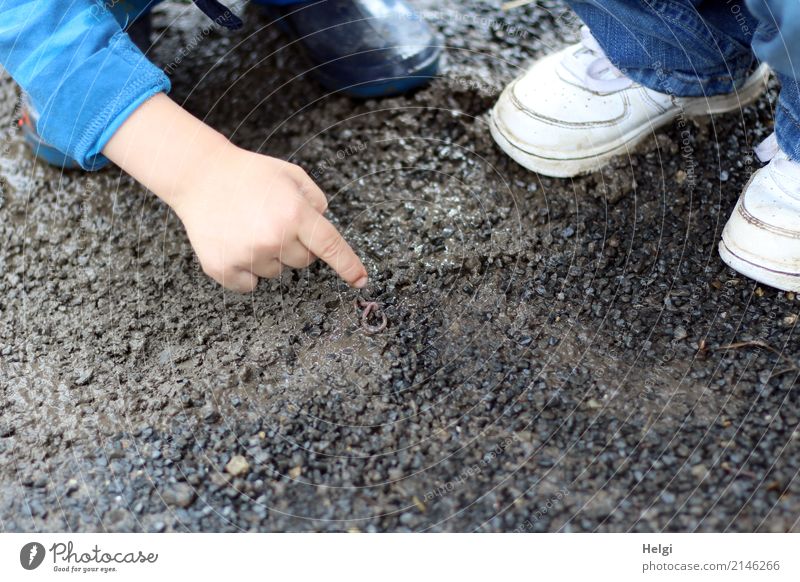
(777, 42)
(762, 236)
(787, 112)
(638, 67)
(683, 47)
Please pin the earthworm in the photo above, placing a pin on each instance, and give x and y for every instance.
(370, 307)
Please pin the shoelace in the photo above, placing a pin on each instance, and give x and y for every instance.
(592, 68)
(219, 13)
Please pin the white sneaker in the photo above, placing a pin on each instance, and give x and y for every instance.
(573, 110)
(762, 237)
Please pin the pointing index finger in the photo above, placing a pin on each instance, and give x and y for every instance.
(324, 241)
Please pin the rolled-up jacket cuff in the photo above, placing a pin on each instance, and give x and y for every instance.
(96, 97)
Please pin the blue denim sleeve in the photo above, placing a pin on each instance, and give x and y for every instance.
(83, 74)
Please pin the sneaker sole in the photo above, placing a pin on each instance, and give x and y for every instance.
(571, 167)
(783, 280)
(758, 268)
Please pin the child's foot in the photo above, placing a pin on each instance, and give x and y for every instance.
(364, 48)
(573, 110)
(762, 237)
(41, 149)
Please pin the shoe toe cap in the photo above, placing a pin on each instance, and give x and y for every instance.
(763, 230)
(548, 115)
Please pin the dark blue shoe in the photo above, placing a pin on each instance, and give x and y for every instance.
(363, 48)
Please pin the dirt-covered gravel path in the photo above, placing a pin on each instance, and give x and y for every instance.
(563, 355)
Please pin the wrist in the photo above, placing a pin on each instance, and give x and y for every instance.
(202, 158)
(167, 149)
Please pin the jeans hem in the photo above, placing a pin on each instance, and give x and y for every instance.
(683, 85)
(787, 130)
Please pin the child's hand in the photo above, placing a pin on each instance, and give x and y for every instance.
(249, 215)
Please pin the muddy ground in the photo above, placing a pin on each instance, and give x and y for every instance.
(558, 356)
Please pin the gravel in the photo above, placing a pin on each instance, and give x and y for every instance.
(180, 495)
(562, 355)
(237, 466)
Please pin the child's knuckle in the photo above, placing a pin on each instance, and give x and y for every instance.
(331, 247)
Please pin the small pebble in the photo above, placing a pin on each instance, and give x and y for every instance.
(84, 377)
(237, 466)
(179, 495)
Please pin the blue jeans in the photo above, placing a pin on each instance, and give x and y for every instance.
(694, 48)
